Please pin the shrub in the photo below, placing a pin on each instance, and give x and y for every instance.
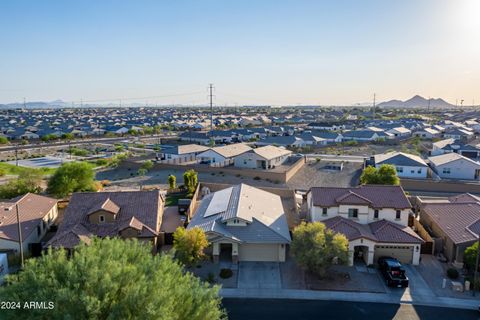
(210, 277)
(226, 273)
(257, 178)
(452, 273)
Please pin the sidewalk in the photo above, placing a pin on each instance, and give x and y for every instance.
(394, 298)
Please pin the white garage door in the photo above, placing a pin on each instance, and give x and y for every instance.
(404, 254)
(258, 252)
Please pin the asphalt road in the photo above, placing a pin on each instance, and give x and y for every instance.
(277, 309)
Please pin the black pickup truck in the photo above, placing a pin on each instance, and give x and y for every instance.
(393, 272)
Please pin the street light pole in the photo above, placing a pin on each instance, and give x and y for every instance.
(20, 240)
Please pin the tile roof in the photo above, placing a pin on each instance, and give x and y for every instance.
(232, 150)
(379, 196)
(459, 221)
(141, 210)
(32, 209)
(271, 152)
(379, 231)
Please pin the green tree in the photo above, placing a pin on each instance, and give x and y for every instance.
(172, 181)
(189, 245)
(110, 279)
(67, 136)
(386, 174)
(27, 181)
(190, 180)
(147, 165)
(470, 256)
(72, 177)
(317, 248)
(3, 140)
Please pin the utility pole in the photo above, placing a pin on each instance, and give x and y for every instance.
(20, 240)
(24, 104)
(210, 87)
(81, 103)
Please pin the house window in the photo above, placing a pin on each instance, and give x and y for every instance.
(324, 211)
(397, 214)
(375, 214)
(353, 213)
(446, 170)
(419, 171)
(399, 169)
(101, 218)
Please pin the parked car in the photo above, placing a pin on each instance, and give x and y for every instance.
(393, 272)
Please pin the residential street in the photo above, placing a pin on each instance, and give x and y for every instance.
(252, 309)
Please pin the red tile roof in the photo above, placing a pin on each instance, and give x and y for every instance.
(459, 221)
(141, 210)
(32, 209)
(379, 196)
(379, 231)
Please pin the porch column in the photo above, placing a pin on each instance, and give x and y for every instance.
(350, 257)
(216, 252)
(370, 255)
(234, 252)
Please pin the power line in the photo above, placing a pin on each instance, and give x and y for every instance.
(137, 98)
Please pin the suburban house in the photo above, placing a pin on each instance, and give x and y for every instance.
(455, 166)
(407, 165)
(223, 154)
(400, 132)
(329, 126)
(439, 146)
(452, 145)
(243, 223)
(193, 136)
(186, 152)
(267, 157)
(125, 214)
(365, 135)
(283, 141)
(458, 134)
(374, 218)
(454, 224)
(36, 213)
(427, 133)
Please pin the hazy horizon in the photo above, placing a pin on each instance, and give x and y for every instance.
(254, 52)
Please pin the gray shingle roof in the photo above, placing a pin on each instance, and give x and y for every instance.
(261, 210)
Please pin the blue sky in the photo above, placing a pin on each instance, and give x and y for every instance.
(258, 52)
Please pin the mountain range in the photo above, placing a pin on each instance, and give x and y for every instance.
(416, 102)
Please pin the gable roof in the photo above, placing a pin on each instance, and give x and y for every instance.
(231, 150)
(32, 209)
(263, 211)
(400, 159)
(270, 152)
(379, 231)
(459, 221)
(449, 157)
(141, 210)
(380, 196)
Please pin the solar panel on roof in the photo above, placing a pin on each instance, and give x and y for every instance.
(219, 202)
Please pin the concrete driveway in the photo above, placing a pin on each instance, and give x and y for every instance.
(254, 275)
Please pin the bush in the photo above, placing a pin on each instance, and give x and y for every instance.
(257, 178)
(226, 273)
(452, 273)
